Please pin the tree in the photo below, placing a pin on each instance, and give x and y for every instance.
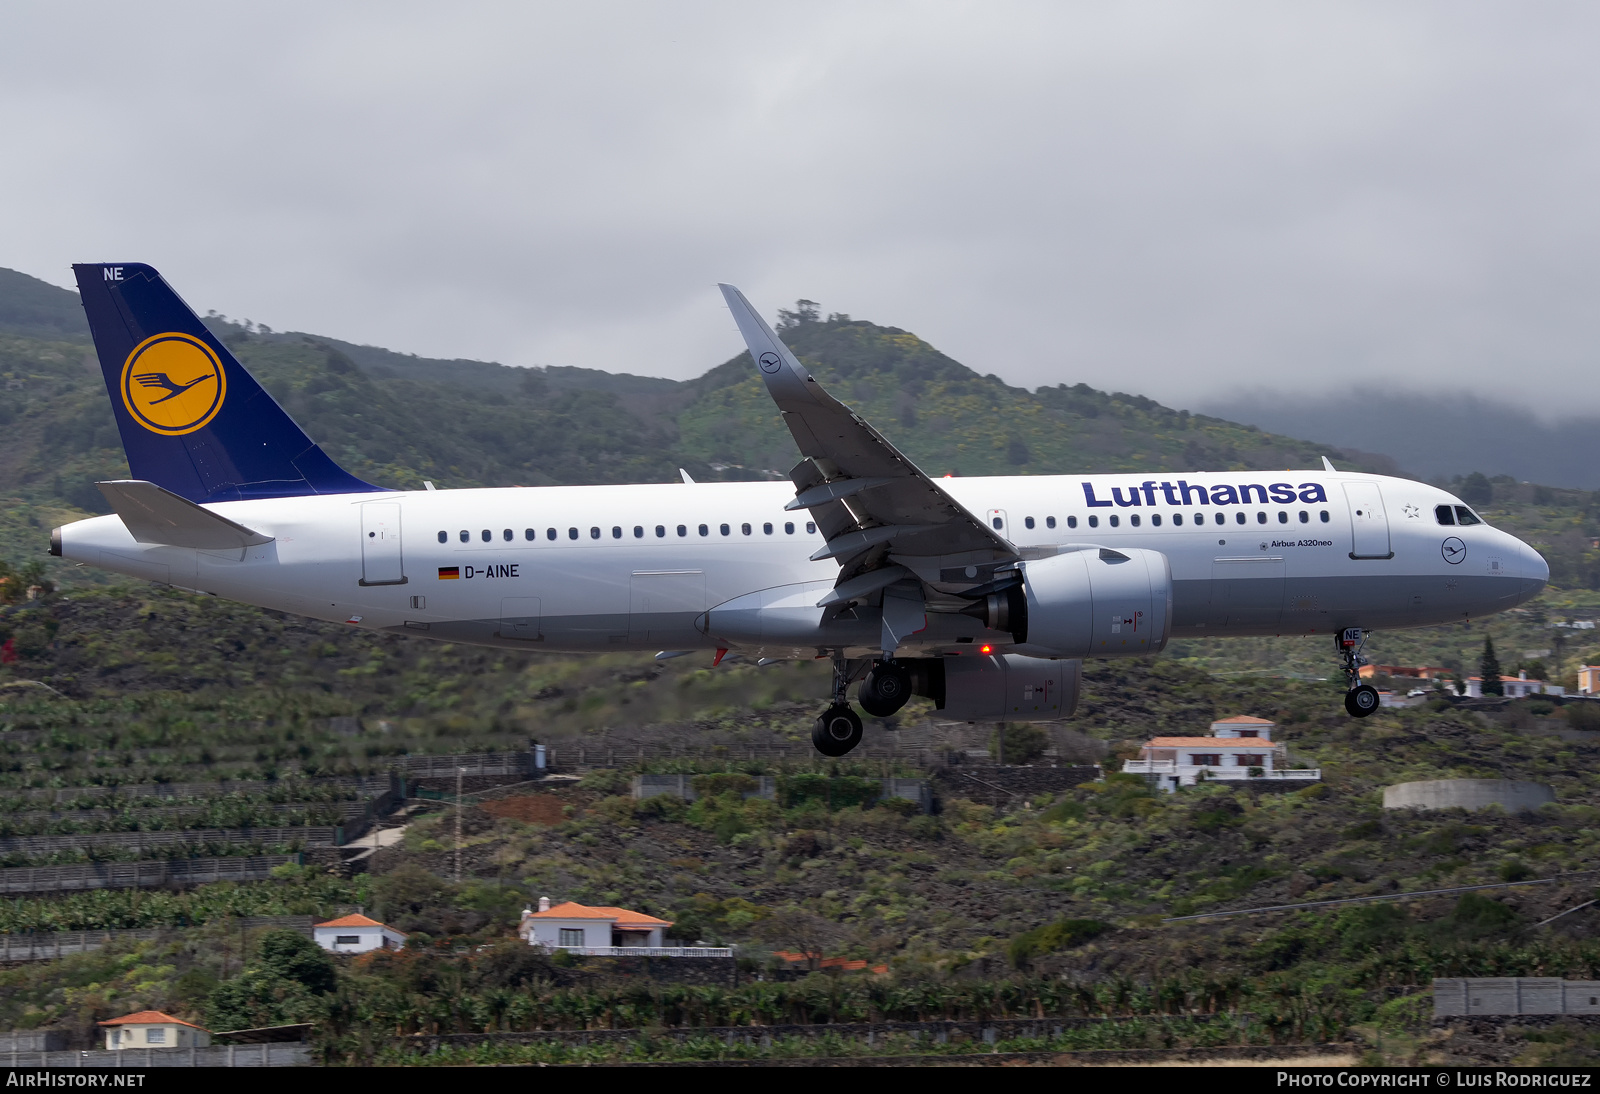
(1489, 669)
(291, 980)
(1476, 489)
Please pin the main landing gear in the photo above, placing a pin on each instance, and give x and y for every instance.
(1361, 699)
(838, 729)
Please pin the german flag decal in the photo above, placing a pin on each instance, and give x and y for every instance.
(449, 573)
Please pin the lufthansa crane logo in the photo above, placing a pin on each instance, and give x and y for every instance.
(1454, 551)
(770, 362)
(173, 384)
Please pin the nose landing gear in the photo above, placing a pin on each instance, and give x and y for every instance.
(1361, 699)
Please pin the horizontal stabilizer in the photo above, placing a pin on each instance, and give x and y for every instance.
(154, 515)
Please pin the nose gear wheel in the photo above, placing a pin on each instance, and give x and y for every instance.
(837, 731)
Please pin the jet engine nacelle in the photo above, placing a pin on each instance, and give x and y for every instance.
(1091, 603)
(1002, 688)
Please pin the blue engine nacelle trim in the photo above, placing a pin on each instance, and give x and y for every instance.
(192, 419)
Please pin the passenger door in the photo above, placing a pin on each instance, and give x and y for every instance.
(1369, 523)
(381, 562)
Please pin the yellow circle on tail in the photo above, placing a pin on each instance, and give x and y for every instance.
(173, 384)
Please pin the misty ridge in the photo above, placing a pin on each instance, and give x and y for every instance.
(1437, 436)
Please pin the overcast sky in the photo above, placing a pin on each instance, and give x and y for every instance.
(1173, 199)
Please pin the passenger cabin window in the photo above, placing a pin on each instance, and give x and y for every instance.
(487, 535)
(529, 534)
(1305, 517)
(508, 535)
(1115, 521)
(724, 529)
(1177, 519)
(616, 531)
(1027, 522)
(1049, 522)
(466, 536)
(1238, 518)
(1283, 518)
(638, 531)
(1134, 520)
(744, 529)
(1444, 514)
(683, 530)
(661, 531)
(705, 529)
(1465, 516)
(549, 533)
(788, 527)
(594, 533)
(1155, 519)
(572, 533)
(1094, 522)
(997, 524)
(1261, 518)
(1072, 522)
(1324, 516)
(444, 537)
(766, 529)
(811, 527)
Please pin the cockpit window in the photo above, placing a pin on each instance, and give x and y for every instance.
(1466, 516)
(1444, 514)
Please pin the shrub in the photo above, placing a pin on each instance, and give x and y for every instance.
(1063, 934)
(605, 780)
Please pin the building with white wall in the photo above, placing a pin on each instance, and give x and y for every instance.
(583, 929)
(1516, 687)
(356, 934)
(1238, 749)
(154, 1029)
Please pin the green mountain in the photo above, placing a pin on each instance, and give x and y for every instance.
(397, 419)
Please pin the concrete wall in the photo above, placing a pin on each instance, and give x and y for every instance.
(1515, 995)
(919, 791)
(1468, 794)
(291, 1054)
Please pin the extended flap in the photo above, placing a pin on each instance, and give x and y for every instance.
(154, 515)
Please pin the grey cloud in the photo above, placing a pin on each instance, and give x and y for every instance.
(1164, 198)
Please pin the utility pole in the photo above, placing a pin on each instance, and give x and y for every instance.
(460, 771)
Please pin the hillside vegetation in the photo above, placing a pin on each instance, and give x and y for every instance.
(1048, 905)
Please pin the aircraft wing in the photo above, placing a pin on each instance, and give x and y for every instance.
(872, 504)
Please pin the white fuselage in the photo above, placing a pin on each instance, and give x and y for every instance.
(635, 567)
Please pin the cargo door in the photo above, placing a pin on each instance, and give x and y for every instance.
(381, 563)
(663, 605)
(1369, 524)
(519, 618)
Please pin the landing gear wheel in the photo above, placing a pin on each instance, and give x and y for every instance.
(837, 731)
(885, 690)
(1361, 701)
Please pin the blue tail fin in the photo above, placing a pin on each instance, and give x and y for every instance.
(192, 419)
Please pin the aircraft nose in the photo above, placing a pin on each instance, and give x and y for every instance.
(1535, 573)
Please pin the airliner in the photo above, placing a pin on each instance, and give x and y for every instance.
(984, 594)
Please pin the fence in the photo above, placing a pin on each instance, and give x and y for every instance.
(49, 945)
(1515, 995)
(305, 835)
(139, 875)
(160, 815)
(766, 786)
(268, 1055)
(650, 951)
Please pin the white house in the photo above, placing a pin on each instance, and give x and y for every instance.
(604, 932)
(356, 934)
(1239, 749)
(1516, 687)
(153, 1029)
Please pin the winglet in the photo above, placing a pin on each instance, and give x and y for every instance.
(686, 476)
(786, 378)
(1327, 465)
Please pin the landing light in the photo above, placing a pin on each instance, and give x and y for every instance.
(985, 649)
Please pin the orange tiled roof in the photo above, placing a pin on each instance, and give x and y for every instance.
(1210, 742)
(356, 921)
(571, 910)
(1244, 720)
(151, 1018)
